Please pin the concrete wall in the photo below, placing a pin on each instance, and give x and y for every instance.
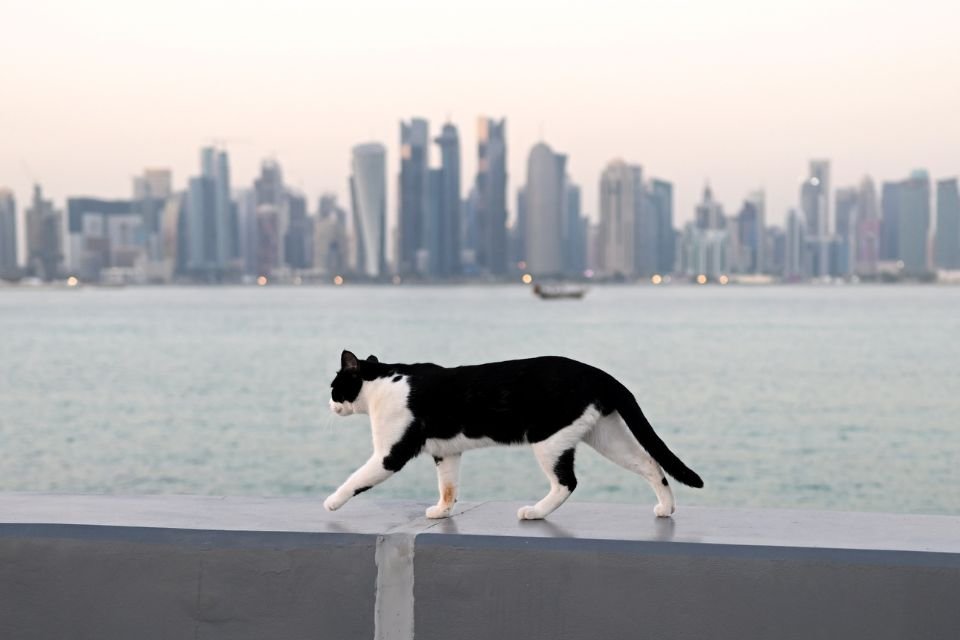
(190, 567)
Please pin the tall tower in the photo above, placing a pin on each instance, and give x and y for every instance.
(545, 192)
(661, 198)
(8, 232)
(368, 192)
(209, 214)
(914, 229)
(815, 205)
(947, 247)
(448, 220)
(414, 154)
(492, 195)
(621, 194)
(44, 237)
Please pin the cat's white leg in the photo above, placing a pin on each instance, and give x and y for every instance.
(613, 440)
(555, 455)
(557, 464)
(448, 476)
(372, 473)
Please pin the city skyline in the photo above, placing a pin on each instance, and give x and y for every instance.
(211, 232)
(680, 90)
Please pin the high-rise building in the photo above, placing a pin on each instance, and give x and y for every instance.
(574, 232)
(545, 189)
(211, 244)
(8, 233)
(445, 249)
(750, 233)
(661, 199)
(947, 246)
(867, 232)
(492, 195)
(107, 234)
(914, 232)
(890, 224)
(368, 192)
(815, 205)
(795, 247)
(298, 239)
(518, 232)
(709, 213)
(45, 250)
(621, 198)
(330, 237)
(150, 194)
(268, 236)
(847, 212)
(412, 197)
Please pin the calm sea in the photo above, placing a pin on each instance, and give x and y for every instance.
(821, 397)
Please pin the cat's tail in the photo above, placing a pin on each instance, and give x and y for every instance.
(643, 431)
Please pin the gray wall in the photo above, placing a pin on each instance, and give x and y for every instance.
(189, 567)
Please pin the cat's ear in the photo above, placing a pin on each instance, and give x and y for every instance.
(372, 358)
(348, 361)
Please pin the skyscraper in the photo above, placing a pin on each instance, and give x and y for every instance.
(661, 199)
(750, 228)
(914, 229)
(947, 247)
(815, 205)
(847, 206)
(330, 237)
(267, 237)
(621, 195)
(574, 232)
(890, 224)
(795, 247)
(492, 195)
(368, 192)
(107, 234)
(45, 250)
(8, 233)
(709, 213)
(545, 191)
(298, 239)
(414, 160)
(209, 212)
(447, 220)
(867, 241)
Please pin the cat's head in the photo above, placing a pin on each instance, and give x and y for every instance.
(348, 383)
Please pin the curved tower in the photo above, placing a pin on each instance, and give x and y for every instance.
(368, 191)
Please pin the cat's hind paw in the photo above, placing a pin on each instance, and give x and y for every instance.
(529, 513)
(439, 511)
(663, 511)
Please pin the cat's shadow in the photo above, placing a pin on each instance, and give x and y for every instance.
(663, 529)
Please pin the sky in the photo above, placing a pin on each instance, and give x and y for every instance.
(738, 93)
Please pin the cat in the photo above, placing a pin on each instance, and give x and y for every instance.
(551, 403)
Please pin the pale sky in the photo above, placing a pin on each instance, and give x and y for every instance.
(740, 93)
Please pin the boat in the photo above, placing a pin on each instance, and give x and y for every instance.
(559, 292)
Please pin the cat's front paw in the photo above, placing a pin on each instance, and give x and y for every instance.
(334, 502)
(439, 511)
(529, 513)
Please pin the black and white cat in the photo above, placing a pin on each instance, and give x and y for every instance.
(550, 403)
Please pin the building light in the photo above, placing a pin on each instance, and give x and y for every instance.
(724, 279)
(701, 279)
(262, 281)
(527, 278)
(338, 280)
(656, 279)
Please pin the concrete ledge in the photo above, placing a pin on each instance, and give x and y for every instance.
(198, 567)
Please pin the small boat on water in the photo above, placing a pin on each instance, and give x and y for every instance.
(559, 292)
